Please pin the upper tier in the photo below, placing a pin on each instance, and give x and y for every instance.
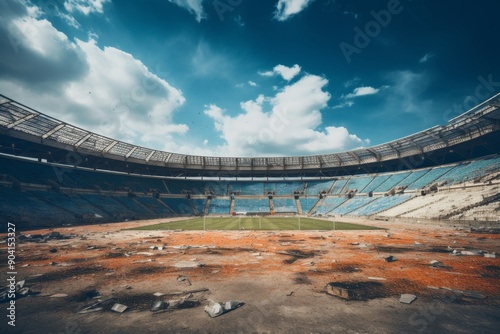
(27, 132)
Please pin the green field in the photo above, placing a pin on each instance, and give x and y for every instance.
(255, 223)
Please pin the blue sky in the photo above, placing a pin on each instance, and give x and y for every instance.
(250, 78)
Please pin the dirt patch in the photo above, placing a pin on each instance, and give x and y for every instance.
(301, 278)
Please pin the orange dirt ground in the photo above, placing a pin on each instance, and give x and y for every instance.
(252, 266)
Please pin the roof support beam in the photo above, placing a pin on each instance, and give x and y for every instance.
(150, 155)
(81, 141)
(54, 130)
(130, 152)
(110, 146)
(22, 120)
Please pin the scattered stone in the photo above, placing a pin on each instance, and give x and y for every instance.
(215, 309)
(376, 278)
(407, 298)
(418, 243)
(354, 243)
(53, 250)
(456, 252)
(390, 258)
(437, 264)
(388, 235)
(120, 308)
(158, 294)
(490, 255)
(90, 310)
(285, 243)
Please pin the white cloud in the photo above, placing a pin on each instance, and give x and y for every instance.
(287, 8)
(253, 84)
(85, 7)
(284, 124)
(362, 91)
(426, 58)
(193, 6)
(287, 73)
(105, 90)
(70, 20)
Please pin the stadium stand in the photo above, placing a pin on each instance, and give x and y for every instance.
(307, 203)
(284, 205)
(257, 205)
(351, 205)
(52, 173)
(219, 206)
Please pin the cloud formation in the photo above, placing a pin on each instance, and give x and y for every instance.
(195, 7)
(287, 123)
(288, 8)
(85, 7)
(103, 89)
(287, 73)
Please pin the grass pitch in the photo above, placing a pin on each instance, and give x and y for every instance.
(255, 223)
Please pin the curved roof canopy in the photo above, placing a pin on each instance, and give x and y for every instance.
(53, 140)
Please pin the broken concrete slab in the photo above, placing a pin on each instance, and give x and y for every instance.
(340, 292)
(490, 255)
(472, 252)
(407, 298)
(120, 308)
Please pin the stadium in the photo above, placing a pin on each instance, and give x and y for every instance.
(58, 178)
(65, 174)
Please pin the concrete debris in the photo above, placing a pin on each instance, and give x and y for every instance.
(388, 235)
(390, 258)
(407, 298)
(437, 264)
(456, 252)
(158, 305)
(340, 292)
(215, 309)
(418, 243)
(120, 308)
(58, 295)
(188, 264)
(96, 306)
(354, 243)
(376, 278)
(24, 291)
(285, 243)
(473, 252)
(158, 294)
(490, 255)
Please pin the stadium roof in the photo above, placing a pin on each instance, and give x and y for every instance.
(28, 132)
